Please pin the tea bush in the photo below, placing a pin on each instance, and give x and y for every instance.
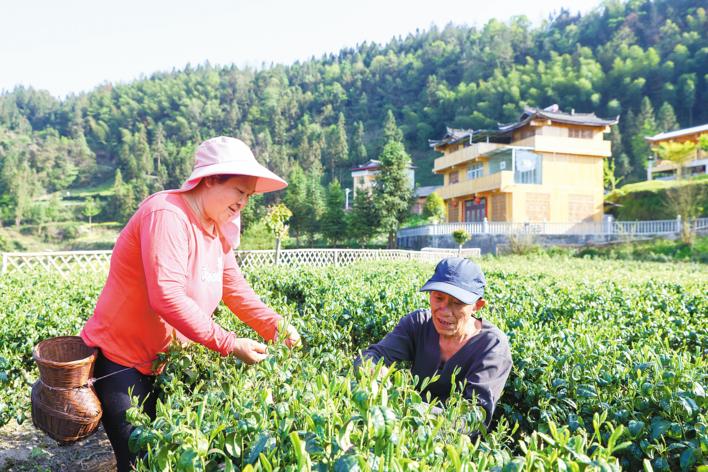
(611, 369)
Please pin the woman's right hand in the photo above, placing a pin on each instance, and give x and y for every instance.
(249, 351)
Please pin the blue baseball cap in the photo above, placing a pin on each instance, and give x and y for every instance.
(461, 278)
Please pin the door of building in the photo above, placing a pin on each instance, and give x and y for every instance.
(475, 209)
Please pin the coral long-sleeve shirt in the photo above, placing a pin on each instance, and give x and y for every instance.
(166, 278)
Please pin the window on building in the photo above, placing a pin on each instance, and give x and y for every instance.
(454, 177)
(475, 171)
(452, 211)
(580, 133)
(500, 161)
(476, 209)
(527, 168)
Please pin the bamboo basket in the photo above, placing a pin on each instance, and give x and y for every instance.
(64, 404)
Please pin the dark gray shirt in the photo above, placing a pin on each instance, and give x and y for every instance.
(484, 362)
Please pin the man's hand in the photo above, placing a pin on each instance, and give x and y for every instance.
(249, 351)
(292, 337)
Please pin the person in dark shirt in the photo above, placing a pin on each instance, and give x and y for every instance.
(451, 334)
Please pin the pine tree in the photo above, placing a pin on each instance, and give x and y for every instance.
(141, 151)
(393, 189)
(333, 221)
(622, 167)
(246, 134)
(159, 154)
(359, 154)
(338, 149)
(645, 125)
(391, 130)
(315, 202)
(666, 118)
(687, 95)
(296, 199)
(122, 204)
(79, 152)
(363, 220)
(21, 191)
(126, 158)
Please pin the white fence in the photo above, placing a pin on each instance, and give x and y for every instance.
(608, 226)
(67, 263)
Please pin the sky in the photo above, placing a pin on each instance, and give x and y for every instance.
(69, 46)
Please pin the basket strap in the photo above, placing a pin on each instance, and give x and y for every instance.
(64, 389)
(91, 381)
(96, 379)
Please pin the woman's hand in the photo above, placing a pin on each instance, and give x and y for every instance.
(249, 351)
(292, 337)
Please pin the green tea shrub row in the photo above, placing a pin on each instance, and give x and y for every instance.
(610, 372)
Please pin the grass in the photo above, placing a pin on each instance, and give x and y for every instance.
(658, 250)
(654, 185)
(103, 189)
(98, 237)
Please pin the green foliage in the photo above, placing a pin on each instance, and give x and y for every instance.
(650, 200)
(609, 174)
(434, 208)
(678, 153)
(90, 209)
(622, 58)
(257, 236)
(253, 212)
(660, 250)
(609, 372)
(460, 236)
(703, 143)
(275, 219)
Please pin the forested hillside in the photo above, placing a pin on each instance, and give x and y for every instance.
(646, 61)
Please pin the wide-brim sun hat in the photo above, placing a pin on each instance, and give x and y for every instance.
(459, 277)
(224, 155)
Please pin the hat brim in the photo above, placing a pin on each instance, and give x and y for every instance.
(463, 295)
(266, 180)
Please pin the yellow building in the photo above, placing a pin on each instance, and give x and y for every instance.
(667, 169)
(364, 175)
(546, 167)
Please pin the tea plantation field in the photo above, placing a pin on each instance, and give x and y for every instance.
(611, 372)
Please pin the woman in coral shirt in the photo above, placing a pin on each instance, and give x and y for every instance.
(172, 265)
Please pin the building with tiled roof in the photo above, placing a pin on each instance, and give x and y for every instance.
(660, 169)
(364, 175)
(547, 166)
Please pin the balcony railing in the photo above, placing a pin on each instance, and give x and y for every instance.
(464, 155)
(498, 181)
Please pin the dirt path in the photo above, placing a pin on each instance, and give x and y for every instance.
(25, 448)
